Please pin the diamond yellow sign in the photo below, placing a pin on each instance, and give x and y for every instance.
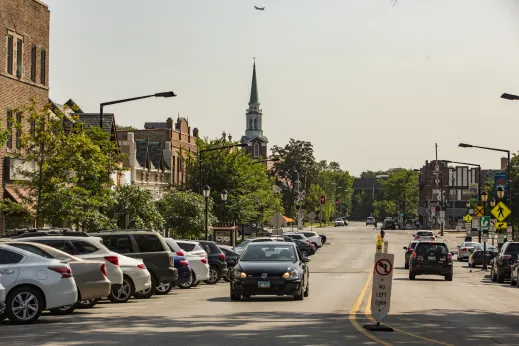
(500, 211)
(479, 211)
(468, 218)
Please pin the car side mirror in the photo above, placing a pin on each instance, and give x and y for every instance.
(306, 259)
(405, 247)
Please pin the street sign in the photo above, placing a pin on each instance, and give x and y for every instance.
(382, 282)
(386, 246)
(401, 213)
(484, 236)
(312, 215)
(323, 200)
(379, 245)
(501, 225)
(467, 218)
(509, 230)
(501, 239)
(484, 223)
(277, 220)
(475, 223)
(479, 211)
(500, 211)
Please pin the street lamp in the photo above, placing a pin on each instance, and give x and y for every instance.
(207, 192)
(101, 106)
(239, 145)
(267, 160)
(484, 198)
(493, 202)
(223, 195)
(500, 192)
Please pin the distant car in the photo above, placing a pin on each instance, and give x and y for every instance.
(476, 257)
(197, 258)
(370, 221)
(388, 224)
(2, 300)
(465, 249)
(231, 257)
(431, 258)
(298, 237)
(306, 249)
(339, 222)
(270, 268)
(217, 264)
(409, 250)
(424, 235)
(313, 237)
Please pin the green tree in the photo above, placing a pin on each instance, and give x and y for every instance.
(362, 205)
(67, 178)
(137, 205)
(400, 189)
(184, 213)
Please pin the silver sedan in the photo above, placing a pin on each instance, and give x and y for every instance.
(465, 249)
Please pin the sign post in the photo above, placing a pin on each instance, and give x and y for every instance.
(381, 290)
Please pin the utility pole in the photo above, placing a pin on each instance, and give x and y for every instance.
(441, 189)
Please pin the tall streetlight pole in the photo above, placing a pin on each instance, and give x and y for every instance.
(484, 199)
(276, 159)
(207, 193)
(509, 178)
(101, 106)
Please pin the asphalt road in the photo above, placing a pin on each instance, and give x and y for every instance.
(429, 310)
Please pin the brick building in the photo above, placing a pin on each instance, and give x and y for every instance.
(156, 154)
(24, 71)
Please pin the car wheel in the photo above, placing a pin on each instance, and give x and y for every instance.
(123, 294)
(189, 283)
(235, 296)
(63, 310)
(500, 278)
(164, 288)
(412, 276)
(300, 295)
(24, 305)
(307, 290)
(304, 253)
(512, 281)
(214, 275)
(448, 277)
(87, 304)
(196, 283)
(147, 293)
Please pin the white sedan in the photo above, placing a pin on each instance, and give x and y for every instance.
(424, 235)
(465, 249)
(197, 258)
(19, 270)
(136, 278)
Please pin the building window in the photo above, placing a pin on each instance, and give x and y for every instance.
(256, 150)
(250, 124)
(32, 128)
(43, 66)
(255, 124)
(18, 129)
(9, 129)
(19, 58)
(33, 63)
(10, 54)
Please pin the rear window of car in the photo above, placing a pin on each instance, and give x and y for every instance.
(512, 248)
(434, 248)
(186, 246)
(34, 249)
(308, 234)
(118, 243)
(425, 234)
(9, 257)
(471, 244)
(148, 243)
(83, 247)
(59, 244)
(210, 248)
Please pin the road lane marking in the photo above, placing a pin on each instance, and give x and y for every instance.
(356, 307)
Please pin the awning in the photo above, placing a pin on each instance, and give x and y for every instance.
(287, 219)
(16, 193)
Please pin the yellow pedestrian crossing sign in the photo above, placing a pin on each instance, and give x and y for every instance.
(500, 211)
(479, 211)
(467, 218)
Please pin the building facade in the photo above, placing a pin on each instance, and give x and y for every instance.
(24, 76)
(254, 123)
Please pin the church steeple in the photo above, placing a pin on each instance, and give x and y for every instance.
(254, 88)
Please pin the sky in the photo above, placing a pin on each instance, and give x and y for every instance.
(370, 85)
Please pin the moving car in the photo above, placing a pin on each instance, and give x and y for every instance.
(149, 247)
(33, 283)
(424, 235)
(409, 251)
(501, 268)
(339, 222)
(370, 220)
(216, 259)
(465, 249)
(197, 258)
(431, 258)
(388, 224)
(270, 268)
(476, 257)
(90, 276)
(313, 237)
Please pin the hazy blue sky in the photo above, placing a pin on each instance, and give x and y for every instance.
(370, 85)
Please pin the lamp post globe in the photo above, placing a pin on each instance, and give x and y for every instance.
(467, 204)
(223, 195)
(206, 191)
(484, 196)
(500, 192)
(493, 202)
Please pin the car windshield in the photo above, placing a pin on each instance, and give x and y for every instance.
(262, 253)
(243, 243)
(433, 248)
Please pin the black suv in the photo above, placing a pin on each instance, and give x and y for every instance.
(431, 258)
(154, 252)
(502, 263)
(389, 224)
(216, 259)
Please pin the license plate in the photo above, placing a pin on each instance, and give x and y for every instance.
(432, 258)
(263, 284)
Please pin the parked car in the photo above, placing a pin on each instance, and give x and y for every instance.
(424, 235)
(85, 248)
(197, 258)
(136, 278)
(216, 259)
(514, 274)
(151, 248)
(465, 249)
(431, 258)
(313, 237)
(33, 283)
(270, 268)
(306, 249)
(409, 251)
(501, 268)
(370, 220)
(185, 276)
(476, 257)
(388, 224)
(339, 222)
(90, 276)
(2, 300)
(231, 258)
(297, 236)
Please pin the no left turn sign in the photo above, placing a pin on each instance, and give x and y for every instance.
(383, 267)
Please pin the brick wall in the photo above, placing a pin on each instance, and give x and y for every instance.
(30, 21)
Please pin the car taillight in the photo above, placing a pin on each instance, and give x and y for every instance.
(449, 257)
(103, 269)
(179, 253)
(414, 254)
(141, 266)
(184, 263)
(171, 261)
(113, 259)
(204, 261)
(65, 272)
(507, 257)
(308, 241)
(416, 237)
(313, 246)
(222, 257)
(463, 249)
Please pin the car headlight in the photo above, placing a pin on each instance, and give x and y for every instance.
(239, 274)
(291, 275)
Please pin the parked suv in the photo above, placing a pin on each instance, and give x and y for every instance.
(431, 258)
(216, 259)
(313, 237)
(502, 263)
(152, 249)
